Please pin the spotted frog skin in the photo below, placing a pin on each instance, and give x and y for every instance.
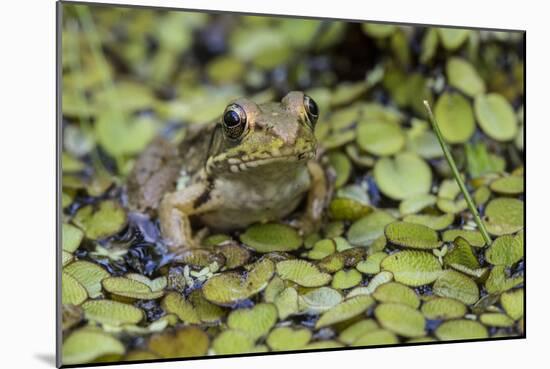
(255, 165)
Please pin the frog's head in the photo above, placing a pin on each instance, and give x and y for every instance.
(251, 136)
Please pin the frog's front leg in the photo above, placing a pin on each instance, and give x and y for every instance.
(175, 211)
(317, 198)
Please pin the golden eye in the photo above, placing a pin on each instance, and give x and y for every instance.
(234, 121)
(311, 109)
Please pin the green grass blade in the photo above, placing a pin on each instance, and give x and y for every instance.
(456, 174)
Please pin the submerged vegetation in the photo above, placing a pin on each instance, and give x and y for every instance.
(399, 257)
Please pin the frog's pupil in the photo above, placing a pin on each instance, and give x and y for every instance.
(312, 107)
(231, 118)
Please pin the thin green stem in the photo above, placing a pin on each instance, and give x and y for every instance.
(457, 176)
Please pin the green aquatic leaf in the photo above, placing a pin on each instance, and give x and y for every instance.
(175, 303)
(256, 322)
(319, 300)
(505, 250)
(344, 279)
(461, 329)
(443, 308)
(513, 303)
(131, 288)
(71, 237)
(286, 338)
(496, 320)
(474, 238)
(416, 204)
(504, 216)
(412, 268)
(455, 117)
(377, 30)
(72, 292)
(230, 287)
(89, 275)
(401, 319)
(435, 222)
(380, 138)
(102, 221)
(509, 185)
(456, 285)
(453, 38)
(271, 237)
(356, 330)
(112, 312)
(496, 117)
(303, 273)
(342, 166)
(464, 77)
(86, 345)
(397, 293)
(412, 235)
(406, 175)
(366, 230)
(185, 342)
(287, 302)
(345, 310)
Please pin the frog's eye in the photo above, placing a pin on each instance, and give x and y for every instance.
(234, 121)
(311, 109)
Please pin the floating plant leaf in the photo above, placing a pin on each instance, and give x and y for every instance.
(72, 292)
(378, 30)
(271, 237)
(86, 345)
(72, 236)
(496, 320)
(453, 38)
(461, 329)
(509, 185)
(377, 337)
(66, 257)
(256, 322)
(342, 166)
(412, 235)
(512, 302)
(435, 222)
(235, 255)
(461, 254)
(344, 279)
(89, 275)
(286, 338)
(372, 264)
(456, 285)
(505, 250)
(401, 319)
(185, 342)
(356, 330)
(364, 231)
(496, 116)
(342, 208)
(474, 238)
(412, 268)
(112, 312)
(380, 138)
(230, 287)
(176, 304)
(319, 300)
(397, 293)
(498, 281)
(287, 302)
(303, 273)
(322, 249)
(345, 310)
(463, 76)
(131, 288)
(415, 204)
(406, 175)
(107, 219)
(207, 311)
(232, 342)
(504, 216)
(443, 308)
(455, 117)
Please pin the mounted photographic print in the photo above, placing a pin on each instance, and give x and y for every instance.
(239, 184)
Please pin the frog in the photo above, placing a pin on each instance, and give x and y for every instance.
(255, 164)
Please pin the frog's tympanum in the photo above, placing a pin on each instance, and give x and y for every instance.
(254, 165)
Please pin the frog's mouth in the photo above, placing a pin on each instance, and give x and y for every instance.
(248, 163)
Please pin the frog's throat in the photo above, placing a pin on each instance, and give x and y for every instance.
(222, 164)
